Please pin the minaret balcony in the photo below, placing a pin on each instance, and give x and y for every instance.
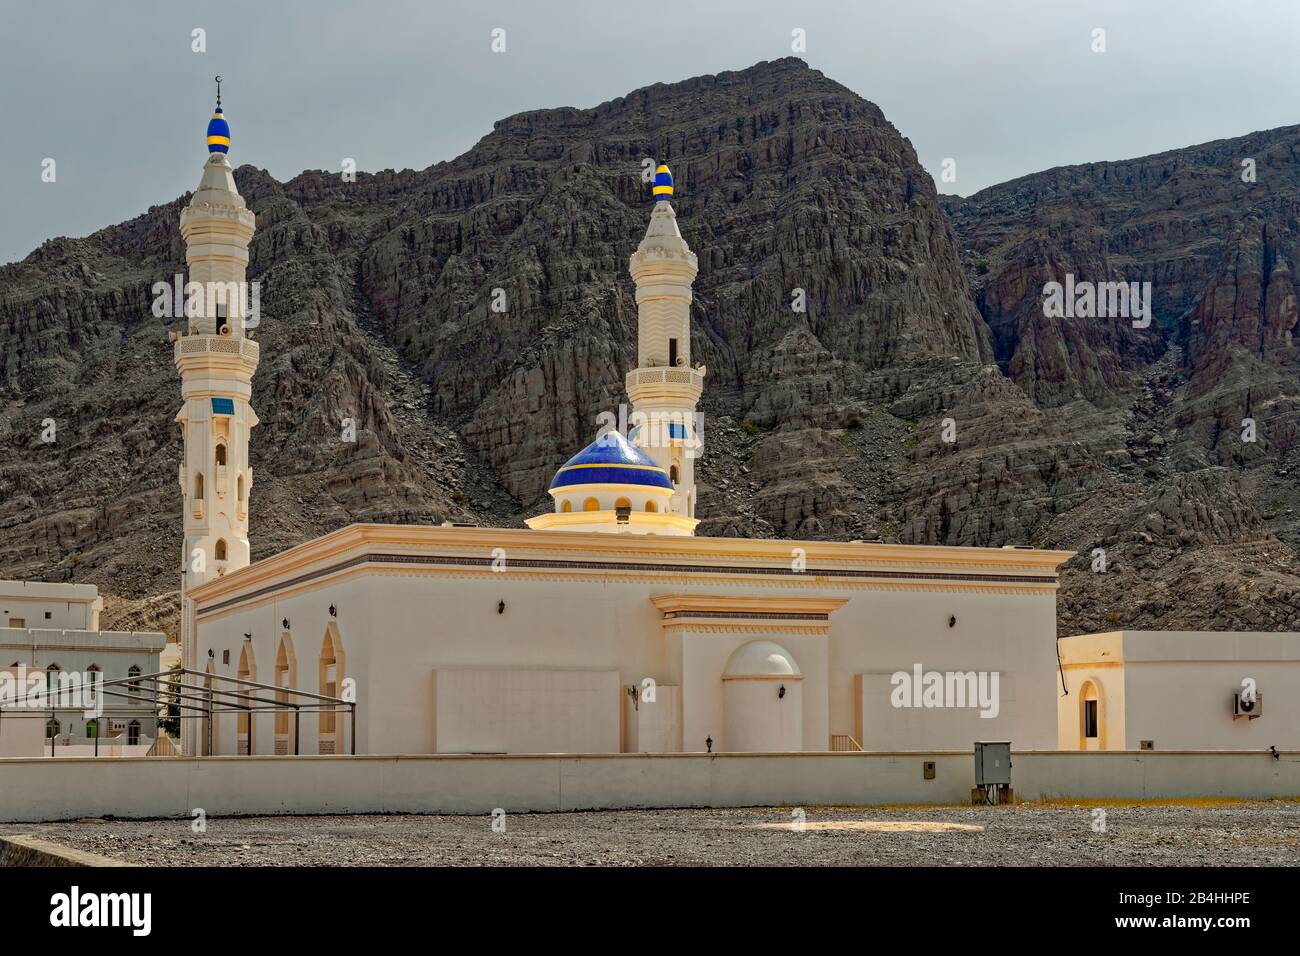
(665, 386)
(220, 344)
(666, 376)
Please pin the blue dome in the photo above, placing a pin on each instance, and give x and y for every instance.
(611, 460)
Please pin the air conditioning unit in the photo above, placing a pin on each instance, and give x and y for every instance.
(1248, 708)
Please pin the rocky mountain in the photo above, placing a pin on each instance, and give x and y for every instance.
(921, 319)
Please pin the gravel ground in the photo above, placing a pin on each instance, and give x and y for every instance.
(1233, 834)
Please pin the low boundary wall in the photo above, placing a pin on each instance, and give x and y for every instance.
(40, 789)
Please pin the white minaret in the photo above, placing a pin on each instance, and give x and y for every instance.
(216, 361)
(664, 387)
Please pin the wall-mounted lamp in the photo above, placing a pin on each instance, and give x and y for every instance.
(248, 636)
(708, 744)
(210, 654)
(952, 620)
(285, 622)
(780, 694)
(501, 607)
(334, 612)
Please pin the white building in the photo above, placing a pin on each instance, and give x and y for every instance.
(1180, 690)
(54, 635)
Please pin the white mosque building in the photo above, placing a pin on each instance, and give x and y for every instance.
(607, 625)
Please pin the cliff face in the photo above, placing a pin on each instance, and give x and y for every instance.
(1194, 420)
(382, 301)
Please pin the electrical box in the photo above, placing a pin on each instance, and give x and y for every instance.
(992, 763)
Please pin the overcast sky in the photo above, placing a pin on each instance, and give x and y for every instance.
(114, 94)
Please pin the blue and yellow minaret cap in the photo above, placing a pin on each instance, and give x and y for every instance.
(663, 188)
(218, 128)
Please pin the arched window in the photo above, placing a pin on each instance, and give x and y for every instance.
(239, 488)
(52, 677)
(92, 728)
(221, 549)
(622, 503)
(566, 507)
(133, 732)
(1091, 730)
(221, 454)
(285, 676)
(331, 677)
(52, 729)
(672, 473)
(651, 507)
(591, 504)
(198, 486)
(210, 729)
(247, 671)
(133, 672)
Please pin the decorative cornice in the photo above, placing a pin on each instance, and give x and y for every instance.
(663, 556)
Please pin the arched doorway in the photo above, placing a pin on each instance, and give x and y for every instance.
(762, 690)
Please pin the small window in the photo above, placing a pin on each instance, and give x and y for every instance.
(622, 503)
(221, 455)
(221, 549)
(52, 729)
(1090, 718)
(239, 488)
(92, 729)
(52, 677)
(133, 732)
(672, 352)
(591, 504)
(133, 672)
(198, 486)
(566, 507)
(672, 473)
(651, 507)
(17, 622)
(48, 615)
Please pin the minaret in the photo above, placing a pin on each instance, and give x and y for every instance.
(216, 361)
(664, 387)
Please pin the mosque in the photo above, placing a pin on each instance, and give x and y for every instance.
(606, 625)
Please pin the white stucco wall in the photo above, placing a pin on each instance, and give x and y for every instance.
(526, 710)
(48, 605)
(171, 787)
(758, 720)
